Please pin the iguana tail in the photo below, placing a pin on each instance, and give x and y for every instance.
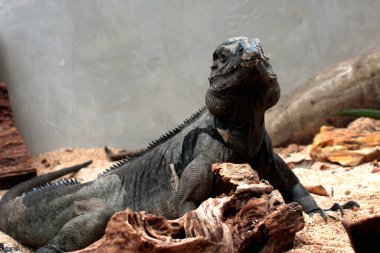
(40, 180)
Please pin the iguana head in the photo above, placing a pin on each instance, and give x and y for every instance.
(240, 71)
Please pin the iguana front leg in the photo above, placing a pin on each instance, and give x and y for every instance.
(283, 178)
(195, 185)
(92, 216)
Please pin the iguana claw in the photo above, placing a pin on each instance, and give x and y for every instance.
(335, 207)
(351, 205)
(348, 205)
(320, 211)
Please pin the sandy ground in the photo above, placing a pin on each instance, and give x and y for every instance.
(361, 183)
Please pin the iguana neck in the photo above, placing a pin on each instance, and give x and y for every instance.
(245, 140)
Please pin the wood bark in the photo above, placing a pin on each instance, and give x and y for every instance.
(15, 160)
(251, 218)
(353, 84)
(364, 234)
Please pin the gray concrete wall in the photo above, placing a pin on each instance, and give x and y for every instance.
(90, 73)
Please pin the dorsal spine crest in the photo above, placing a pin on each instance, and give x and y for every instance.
(156, 142)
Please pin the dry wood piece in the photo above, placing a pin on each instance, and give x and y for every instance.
(236, 174)
(364, 235)
(15, 161)
(122, 154)
(353, 84)
(351, 146)
(253, 219)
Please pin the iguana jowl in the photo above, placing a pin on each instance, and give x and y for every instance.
(70, 216)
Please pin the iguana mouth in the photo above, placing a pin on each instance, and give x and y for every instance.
(242, 65)
(249, 69)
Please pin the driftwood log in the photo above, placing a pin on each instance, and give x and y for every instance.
(15, 160)
(352, 84)
(250, 217)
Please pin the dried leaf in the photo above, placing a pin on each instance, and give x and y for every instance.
(318, 190)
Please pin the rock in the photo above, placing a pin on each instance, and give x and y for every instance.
(253, 218)
(364, 125)
(294, 154)
(353, 84)
(351, 146)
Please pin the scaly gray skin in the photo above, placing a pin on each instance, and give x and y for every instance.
(40, 180)
(173, 175)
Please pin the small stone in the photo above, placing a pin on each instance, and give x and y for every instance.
(325, 167)
(45, 163)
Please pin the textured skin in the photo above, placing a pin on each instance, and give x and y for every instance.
(44, 179)
(173, 175)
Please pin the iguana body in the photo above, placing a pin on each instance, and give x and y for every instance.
(173, 175)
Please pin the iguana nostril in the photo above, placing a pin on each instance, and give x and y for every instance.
(251, 54)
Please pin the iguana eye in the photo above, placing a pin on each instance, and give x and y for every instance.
(223, 58)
